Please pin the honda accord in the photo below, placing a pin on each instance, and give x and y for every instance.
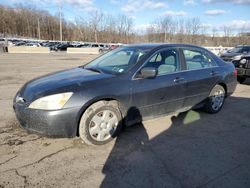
(122, 87)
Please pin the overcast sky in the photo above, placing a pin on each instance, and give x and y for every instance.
(212, 13)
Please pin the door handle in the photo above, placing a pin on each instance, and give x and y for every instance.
(178, 80)
(214, 73)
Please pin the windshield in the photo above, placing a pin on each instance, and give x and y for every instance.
(236, 50)
(117, 61)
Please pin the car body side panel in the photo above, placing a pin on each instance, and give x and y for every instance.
(228, 78)
(159, 95)
(199, 84)
(114, 88)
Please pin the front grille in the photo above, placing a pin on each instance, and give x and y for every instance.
(247, 64)
(247, 72)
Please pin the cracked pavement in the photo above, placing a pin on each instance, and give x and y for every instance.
(191, 149)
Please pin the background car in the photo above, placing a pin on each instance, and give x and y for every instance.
(239, 56)
(243, 67)
(236, 53)
(61, 47)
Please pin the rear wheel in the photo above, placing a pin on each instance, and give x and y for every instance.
(100, 51)
(100, 123)
(215, 100)
(241, 79)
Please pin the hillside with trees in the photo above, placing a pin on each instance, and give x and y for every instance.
(29, 22)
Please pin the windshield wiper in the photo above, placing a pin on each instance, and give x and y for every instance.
(93, 69)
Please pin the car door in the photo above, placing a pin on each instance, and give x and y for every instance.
(165, 92)
(201, 74)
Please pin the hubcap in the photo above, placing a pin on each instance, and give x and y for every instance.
(217, 99)
(103, 125)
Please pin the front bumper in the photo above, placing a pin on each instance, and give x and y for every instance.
(243, 72)
(56, 123)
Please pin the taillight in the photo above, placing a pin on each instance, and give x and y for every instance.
(235, 72)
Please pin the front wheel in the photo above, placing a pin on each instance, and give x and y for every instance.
(100, 123)
(215, 100)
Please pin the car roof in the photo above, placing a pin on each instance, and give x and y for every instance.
(148, 46)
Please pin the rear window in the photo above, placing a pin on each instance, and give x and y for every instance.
(196, 59)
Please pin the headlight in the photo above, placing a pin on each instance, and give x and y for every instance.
(51, 102)
(236, 58)
(243, 61)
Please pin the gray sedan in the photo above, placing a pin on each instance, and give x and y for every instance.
(123, 87)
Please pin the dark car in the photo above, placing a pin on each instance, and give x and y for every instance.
(123, 87)
(235, 53)
(61, 47)
(239, 56)
(243, 68)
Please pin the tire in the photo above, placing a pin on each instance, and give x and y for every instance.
(101, 51)
(241, 79)
(100, 123)
(215, 100)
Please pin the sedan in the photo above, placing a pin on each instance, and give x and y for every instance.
(123, 87)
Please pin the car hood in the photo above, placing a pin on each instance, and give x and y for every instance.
(230, 54)
(63, 81)
(246, 55)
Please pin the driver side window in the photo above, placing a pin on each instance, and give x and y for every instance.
(165, 61)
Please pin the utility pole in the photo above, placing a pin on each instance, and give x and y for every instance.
(60, 15)
(38, 29)
(165, 34)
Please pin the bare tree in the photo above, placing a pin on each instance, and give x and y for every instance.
(21, 21)
(95, 19)
(166, 27)
(227, 33)
(195, 26)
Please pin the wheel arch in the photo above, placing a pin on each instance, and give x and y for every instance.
(93, 101)
(224, 86)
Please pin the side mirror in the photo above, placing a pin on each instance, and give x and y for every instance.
(148, 72)
(245, 52)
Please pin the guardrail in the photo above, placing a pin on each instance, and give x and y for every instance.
(83, 50)
(28, 49)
